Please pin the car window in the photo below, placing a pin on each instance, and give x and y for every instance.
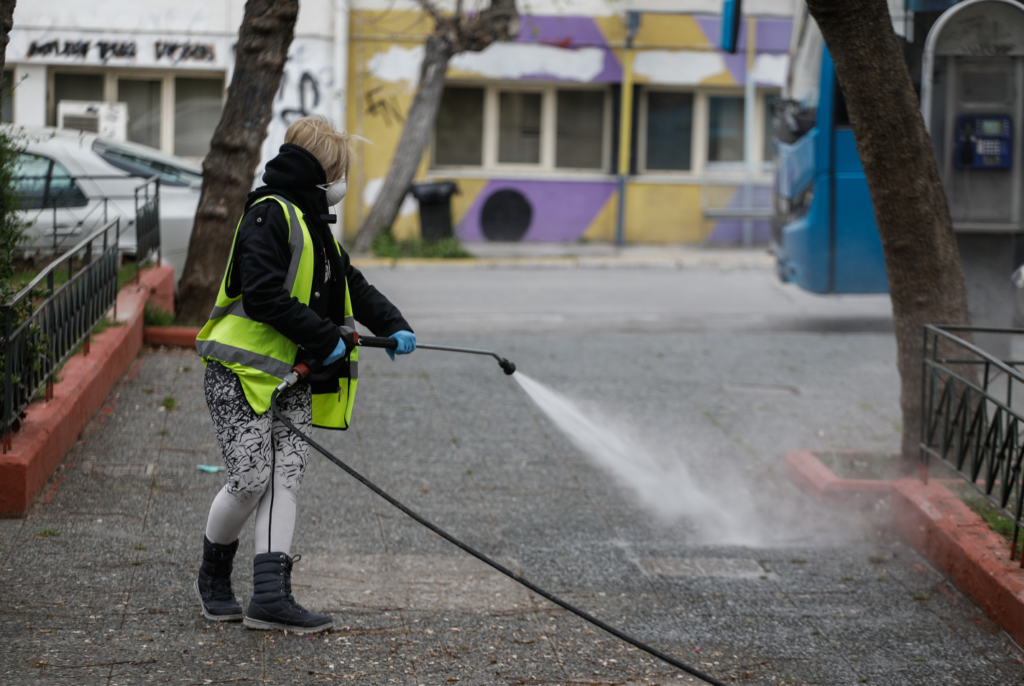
(44, 183)
(30, 180)
(134, 161)
(63, 191)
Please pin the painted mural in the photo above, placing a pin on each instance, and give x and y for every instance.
(549, 205)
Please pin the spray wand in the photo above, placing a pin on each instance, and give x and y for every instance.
(303, 369)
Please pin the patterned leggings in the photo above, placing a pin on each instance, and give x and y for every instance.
(253, 446)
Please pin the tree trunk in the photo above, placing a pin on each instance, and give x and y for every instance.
(6, 24)
(926, 281)
(411, 145)
(263, 40)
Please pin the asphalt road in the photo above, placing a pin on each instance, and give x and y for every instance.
(692, 539)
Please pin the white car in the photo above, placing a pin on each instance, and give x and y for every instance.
(72, 182)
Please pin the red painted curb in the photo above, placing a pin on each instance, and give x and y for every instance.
(51, 428)
(960, 543)
(812, 476)
(180, 336)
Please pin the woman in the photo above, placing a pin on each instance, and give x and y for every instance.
(289, 293)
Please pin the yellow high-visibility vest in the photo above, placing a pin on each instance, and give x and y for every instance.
(259, 354)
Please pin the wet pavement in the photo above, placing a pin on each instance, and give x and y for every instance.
(96, 582)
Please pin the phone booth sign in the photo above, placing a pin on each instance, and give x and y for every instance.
(972, 100)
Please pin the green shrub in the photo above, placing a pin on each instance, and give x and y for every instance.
(385, 245)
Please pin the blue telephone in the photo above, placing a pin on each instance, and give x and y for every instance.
(983, 142)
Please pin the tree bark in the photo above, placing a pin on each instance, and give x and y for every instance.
(452, 35)
(263, 40)
(926, 281)
(415, 134)
(6, 24)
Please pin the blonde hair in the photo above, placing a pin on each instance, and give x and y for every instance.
(329, 146)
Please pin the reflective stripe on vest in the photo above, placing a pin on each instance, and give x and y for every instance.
(260, 355)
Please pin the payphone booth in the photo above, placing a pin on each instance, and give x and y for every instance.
(972, 99)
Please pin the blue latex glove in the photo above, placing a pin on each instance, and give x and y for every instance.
(406, 343)
(339, 352)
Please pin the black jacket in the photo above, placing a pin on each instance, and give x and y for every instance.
(261, 258)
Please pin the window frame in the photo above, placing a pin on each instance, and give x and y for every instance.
(700, 132)
(167, 92)
(548, 129)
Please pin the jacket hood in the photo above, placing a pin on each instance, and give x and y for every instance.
(295, 174)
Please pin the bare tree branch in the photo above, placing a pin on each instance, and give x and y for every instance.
(452, 35)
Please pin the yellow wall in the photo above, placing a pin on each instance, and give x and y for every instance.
(664, 213)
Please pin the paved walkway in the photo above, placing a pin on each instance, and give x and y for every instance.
(96, 583)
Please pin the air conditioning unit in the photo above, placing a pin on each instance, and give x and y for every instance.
(108, 119)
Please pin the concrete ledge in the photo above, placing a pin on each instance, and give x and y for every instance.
(960, 543)
(180, 336)
(812, 476)
(51, 428)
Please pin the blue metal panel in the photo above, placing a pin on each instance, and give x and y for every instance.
(795, 165)
(806, 241)
(859, 261)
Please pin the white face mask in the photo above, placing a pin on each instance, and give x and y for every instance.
(335, 191)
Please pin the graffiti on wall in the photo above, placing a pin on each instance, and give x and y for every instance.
(306, 92)
(381, 103)
(179, 52)
(80, 49)
(306, 83)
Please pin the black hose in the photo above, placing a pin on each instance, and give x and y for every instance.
(483, 558)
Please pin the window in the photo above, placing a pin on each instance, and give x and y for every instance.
(144, 162)
(580, 129)
(669, 131)
(84, 87)
(519, 128)
(542, 127)
(768, 154)
(725, 129)
(197, 106)
(459, 135)
(7, 111)
(143, 98)
(40, 182)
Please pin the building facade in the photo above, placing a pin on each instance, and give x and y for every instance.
(531, 131)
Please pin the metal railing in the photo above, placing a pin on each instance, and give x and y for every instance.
(62, 318)
(67, 219)
(968, 420)
(147, 220)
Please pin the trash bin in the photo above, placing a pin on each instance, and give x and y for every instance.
(435, 208)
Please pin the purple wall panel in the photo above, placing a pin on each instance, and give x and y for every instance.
(562, 210)
(731, 230)
(569, 33)
(565, 32)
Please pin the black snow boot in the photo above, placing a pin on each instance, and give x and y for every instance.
(213, 586)
(272, 605)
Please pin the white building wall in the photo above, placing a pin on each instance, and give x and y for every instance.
(163, 37)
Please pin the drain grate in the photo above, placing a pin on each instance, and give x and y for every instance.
(760, 389)
(729, 568)
(122, 469)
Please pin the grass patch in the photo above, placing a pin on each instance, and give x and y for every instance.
(169, 402)
(49, 533)
(154, 316)
(995, 519)
(385, 245)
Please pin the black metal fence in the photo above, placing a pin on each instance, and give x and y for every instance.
(147, 220)
(968, 416)
(44, 324)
